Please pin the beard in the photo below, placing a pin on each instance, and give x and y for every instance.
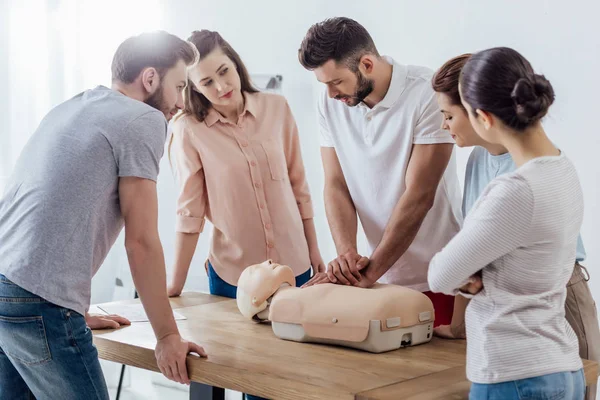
(364, 87)
(157, 100)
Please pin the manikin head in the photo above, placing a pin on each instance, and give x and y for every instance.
(258, 283)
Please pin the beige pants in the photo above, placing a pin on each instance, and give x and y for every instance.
(582, 315)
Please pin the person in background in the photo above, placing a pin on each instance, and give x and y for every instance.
(486, 162)
(514, 255)
(88, 170)
(386, 160)
(236, 154)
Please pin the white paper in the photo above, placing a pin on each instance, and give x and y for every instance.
(133, 312)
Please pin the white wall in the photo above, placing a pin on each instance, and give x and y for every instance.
(561, 39)
(4, 100)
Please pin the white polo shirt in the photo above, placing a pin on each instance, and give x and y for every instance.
(374, 148)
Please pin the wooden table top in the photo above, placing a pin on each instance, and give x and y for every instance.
(249, 358)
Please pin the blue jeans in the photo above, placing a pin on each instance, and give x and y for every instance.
(558, 386)
(219, 287)
(46, 351)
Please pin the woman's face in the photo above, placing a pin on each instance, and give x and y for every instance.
(217, 78)
(456, 121)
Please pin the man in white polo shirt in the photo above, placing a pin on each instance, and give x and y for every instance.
(386, 159)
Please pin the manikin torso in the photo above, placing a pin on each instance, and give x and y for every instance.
(378, 319)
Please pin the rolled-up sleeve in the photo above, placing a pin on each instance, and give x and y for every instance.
(187, 167)
(295, 165)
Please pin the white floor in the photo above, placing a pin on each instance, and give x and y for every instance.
(139, 384)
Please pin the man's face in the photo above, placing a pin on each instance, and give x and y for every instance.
(343, 84)
(168, 97)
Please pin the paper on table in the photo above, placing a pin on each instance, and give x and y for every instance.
(133, 312)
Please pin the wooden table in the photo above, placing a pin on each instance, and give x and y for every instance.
(247, 357)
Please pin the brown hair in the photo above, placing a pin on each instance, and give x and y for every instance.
(159, 50)
(206, 41)
(501, 81)
(340, 39)
(446, 78)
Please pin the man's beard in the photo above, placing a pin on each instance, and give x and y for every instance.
(157, 101)
(364, 87)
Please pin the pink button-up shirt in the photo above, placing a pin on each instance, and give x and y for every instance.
(248, 180)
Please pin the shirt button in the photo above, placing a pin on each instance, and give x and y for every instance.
(270, 245)
(253, 163)
(257, 185)
(262, 206)
(268, 226)
(244, 144)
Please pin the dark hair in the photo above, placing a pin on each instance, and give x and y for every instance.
(502, 82)
(206, 41)
(445, 80)
(340, 39)
(159, 50)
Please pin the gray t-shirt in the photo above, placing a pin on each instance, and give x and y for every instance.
(60, 214)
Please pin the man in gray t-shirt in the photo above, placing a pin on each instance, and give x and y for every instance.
(89, 170)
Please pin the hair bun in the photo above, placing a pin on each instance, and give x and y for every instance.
(532, 96)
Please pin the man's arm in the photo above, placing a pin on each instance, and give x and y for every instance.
(425, 170)
(343, 223)
(139, 206)
(339, 207)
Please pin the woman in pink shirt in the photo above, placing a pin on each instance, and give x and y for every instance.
(236, 155)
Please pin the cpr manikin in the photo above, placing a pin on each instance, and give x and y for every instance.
(378, 319)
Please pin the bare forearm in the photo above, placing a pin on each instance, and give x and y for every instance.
(404, 224)
(342, 219)
(311, 234)
(146, 260)
(185, 247)
(458, 313)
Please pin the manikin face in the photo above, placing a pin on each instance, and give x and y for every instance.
(258, 283)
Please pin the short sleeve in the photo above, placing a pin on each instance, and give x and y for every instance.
(326, 139)
(428, 129)
(140, 147)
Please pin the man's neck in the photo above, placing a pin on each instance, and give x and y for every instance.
(128, 90)
(382, 78)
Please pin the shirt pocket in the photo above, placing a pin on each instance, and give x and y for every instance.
(276, 159)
